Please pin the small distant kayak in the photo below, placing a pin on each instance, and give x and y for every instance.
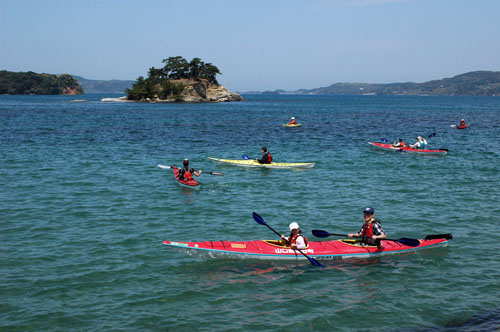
(385, 146)
(193, 184)
(322, 250)
(253, 163)
(462, 126)
(292, 125)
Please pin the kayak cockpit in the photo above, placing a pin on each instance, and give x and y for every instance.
(279, 243)
(356, 243)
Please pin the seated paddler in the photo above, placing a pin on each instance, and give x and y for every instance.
(371, 232)
(295, 240)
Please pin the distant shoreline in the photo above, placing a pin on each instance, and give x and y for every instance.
(477, 83)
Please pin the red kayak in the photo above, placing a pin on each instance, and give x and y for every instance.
(462, 126)
(321, 250)
(193, 184)
(385, 146)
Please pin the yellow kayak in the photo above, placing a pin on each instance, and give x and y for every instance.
(292, 125)
(253, 163)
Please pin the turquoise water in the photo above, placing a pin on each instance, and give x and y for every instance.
(84, 210)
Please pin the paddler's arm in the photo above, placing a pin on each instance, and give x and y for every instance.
(300, 243)
(358, 234)
(197, 173)
(285, 240)
(379, 237)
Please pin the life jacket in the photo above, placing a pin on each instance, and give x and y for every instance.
(185, 173)
(188, 175)
(292, 121)
(367, 231)
(294, 239)
(269, 157)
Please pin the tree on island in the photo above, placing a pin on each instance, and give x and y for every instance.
(166, 82)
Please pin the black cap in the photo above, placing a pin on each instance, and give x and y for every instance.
(369, 210)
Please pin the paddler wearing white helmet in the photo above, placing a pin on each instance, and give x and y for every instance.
(295, 240)
(292, 120)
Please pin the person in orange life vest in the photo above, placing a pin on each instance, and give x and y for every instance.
(372, 231)
(399, 144)
(266, 157)
(295, 240)
(292, 121)
(185, 172)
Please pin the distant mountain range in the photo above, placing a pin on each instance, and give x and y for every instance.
(476, 83)
(103, 86)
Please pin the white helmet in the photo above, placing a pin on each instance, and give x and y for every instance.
(293, 118)
(293, 226)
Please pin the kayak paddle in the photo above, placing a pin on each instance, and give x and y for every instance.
(432, 135)
(212, 173)
(261, 221)
(406, 241)
(245, 157)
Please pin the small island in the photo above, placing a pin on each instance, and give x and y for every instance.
(181, 81)
(30, 83)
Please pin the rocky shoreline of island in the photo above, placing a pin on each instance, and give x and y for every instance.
(181, 81)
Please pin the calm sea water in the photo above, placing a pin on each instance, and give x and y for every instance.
(84, 210)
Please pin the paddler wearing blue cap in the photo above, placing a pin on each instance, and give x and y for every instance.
(372, 232)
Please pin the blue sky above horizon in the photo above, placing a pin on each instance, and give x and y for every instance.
(258, 44)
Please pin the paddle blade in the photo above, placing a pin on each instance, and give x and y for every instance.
(447, 236)
(258, 218)
(315, 262)
(245, 157)
(320, 233)
(216, 173)
(383, 139)
(432, 134)
(409, 242)
(164, 166)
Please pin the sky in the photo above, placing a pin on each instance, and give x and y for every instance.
(256, 44)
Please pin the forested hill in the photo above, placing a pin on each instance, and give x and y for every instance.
(477, 83)
(30, 83)
(104, 86)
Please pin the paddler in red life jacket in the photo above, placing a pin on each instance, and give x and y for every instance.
(266, 156)
(295, 240)
(462, 123)
(186, 173)
(399, 144)
(372, 232)
(292, 121)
